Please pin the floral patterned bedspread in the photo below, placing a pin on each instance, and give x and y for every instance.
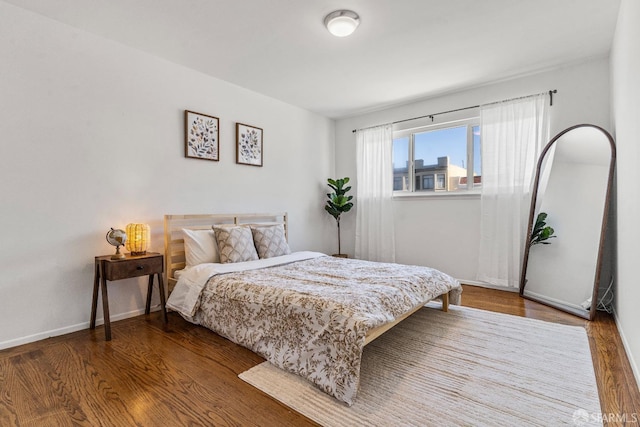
(310, 317)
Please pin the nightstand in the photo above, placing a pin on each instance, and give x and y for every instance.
(107, 269)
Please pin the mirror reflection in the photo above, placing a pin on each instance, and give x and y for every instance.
(563, 257)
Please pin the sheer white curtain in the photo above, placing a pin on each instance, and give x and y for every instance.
(374, 205)
(513, 134)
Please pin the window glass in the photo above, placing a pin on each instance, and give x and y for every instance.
(427, 182)
(477, 162)
(443, 145)
(401, 164)
(442, 158)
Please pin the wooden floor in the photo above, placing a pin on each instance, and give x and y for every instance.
(184, 375)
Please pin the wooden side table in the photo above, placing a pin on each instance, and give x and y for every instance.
(117, 269)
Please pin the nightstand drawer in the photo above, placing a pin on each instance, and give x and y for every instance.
(133, 268)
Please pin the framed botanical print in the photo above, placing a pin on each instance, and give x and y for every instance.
(248, 145)
(202, 136)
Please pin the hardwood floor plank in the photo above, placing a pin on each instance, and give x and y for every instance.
(97, 381)
(8, 411)
(40, 392)
(134, 390)
(181, 374)
(216, 361)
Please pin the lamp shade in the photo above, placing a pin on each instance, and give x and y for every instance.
(138, 238)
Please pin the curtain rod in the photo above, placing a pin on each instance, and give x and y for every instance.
(431, 116)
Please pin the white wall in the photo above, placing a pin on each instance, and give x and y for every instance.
(625, 91)
(91, 133)
(442, 232)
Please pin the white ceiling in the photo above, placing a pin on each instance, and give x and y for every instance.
(403, 49)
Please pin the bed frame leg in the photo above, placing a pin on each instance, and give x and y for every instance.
(445, 302)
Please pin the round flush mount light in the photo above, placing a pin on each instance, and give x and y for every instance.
(342, 23)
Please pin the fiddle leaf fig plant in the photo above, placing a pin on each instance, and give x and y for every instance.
(338, 202)
(541, 231)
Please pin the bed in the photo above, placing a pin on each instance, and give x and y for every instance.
(305, 312)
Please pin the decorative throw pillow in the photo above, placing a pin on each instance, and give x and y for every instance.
(270, 241)
(199, 247)
(235, 244)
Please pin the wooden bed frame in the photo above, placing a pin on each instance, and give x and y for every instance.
(175, 258)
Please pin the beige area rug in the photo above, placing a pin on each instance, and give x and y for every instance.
(466, 367)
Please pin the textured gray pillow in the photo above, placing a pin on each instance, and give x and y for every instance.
(235, 244)
(270, 240)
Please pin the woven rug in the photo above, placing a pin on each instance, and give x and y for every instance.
(465, 367)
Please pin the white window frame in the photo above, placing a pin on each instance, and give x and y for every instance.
(470, 191)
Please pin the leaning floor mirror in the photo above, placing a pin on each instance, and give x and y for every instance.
(562, 264)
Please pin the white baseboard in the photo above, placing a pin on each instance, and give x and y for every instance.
(627, 350)
(487, 285)
(68, 329)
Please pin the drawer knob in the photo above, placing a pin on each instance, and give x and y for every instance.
(140, 267)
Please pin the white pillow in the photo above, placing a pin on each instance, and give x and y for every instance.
(199, 247)
(270, 240)
(235, 244)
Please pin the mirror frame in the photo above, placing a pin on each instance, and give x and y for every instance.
(589, 315)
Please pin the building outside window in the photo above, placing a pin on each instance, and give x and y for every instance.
(438, 158)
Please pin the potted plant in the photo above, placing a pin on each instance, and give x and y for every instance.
(541, 231)
(338, 203)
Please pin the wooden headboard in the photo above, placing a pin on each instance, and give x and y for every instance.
(174, 242)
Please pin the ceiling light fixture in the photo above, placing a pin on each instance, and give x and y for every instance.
(342, 23)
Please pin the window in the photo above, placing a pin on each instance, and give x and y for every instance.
(438, 158)
(427, 182)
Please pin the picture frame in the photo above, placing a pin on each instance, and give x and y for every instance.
(249, 148)
(201, 136)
